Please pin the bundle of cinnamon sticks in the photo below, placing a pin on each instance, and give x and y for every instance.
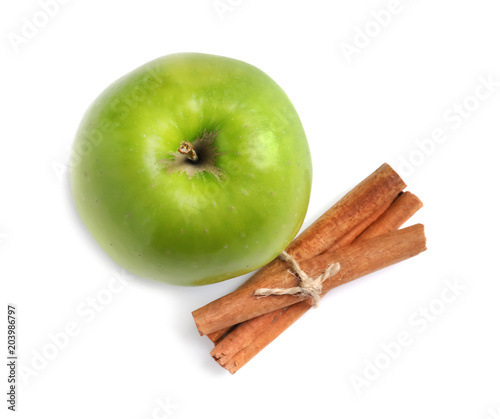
(360, 232)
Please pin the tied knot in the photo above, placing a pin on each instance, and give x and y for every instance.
(307, 287)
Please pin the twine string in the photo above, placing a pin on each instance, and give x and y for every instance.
(307, 287)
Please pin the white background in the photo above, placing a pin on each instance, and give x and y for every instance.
(371, 105)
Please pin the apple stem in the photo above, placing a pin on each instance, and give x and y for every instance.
(187, 149)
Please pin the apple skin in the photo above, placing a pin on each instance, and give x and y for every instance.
(183, 224)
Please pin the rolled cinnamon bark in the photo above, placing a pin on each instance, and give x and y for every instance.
(338, 226)
(255, 334)
(357, 259)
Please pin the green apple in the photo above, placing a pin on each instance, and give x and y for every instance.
(192, 169)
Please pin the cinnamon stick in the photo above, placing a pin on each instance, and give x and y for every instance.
(400, 211)
(338, 226)
(252, 336)
(357, 259)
